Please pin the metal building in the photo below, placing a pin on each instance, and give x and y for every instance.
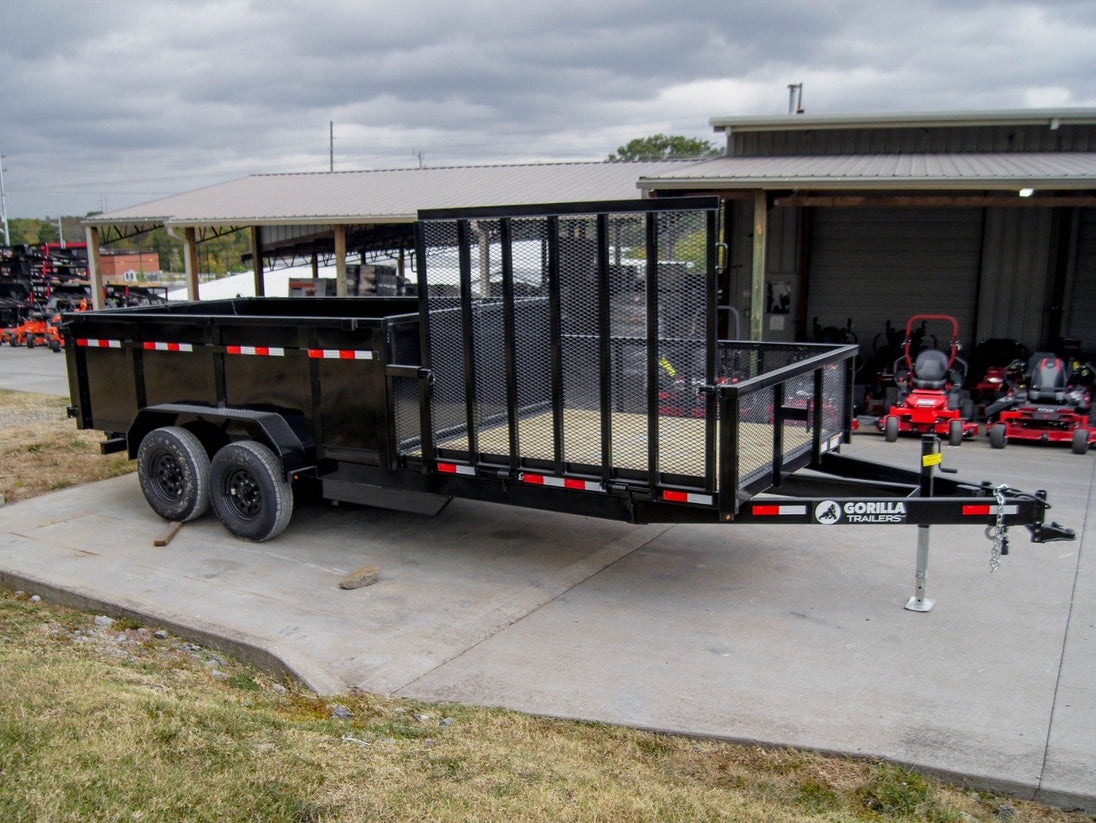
(988, 216)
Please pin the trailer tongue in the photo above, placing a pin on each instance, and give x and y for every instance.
(563, 357)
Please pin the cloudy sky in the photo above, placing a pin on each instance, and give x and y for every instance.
(109, 103)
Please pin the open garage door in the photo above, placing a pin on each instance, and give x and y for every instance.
(879, 265)
(1081, 319)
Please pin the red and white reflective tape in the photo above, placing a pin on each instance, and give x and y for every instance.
(456, 468)
(100, 344)
(688, 497)
(988, 510)
(169, 346)
(562, 482)
(340, 354)
(763, 510)
(260, 351)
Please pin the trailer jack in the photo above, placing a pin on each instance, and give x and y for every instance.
(997, 533)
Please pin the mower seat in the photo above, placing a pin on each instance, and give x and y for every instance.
(930, 370)
(1048, 379)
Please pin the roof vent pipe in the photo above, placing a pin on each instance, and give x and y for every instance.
(795, 98)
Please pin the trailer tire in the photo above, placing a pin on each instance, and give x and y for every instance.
(55, 346)
(998, 435)
(30, 341)
(1080, 441)
(890, 429)
(173, 468)
(955, 433)
(249, 491)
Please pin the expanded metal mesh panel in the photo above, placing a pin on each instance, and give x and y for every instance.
(834, 391)
(755, 443)
(442, 280)
(405, 403)
(579, 342)
(532, 331)
(681, 277)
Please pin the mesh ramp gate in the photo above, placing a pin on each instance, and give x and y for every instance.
(572, 342)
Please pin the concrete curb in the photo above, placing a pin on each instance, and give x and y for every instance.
(263, 654)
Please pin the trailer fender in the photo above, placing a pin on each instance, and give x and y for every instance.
(272, 427)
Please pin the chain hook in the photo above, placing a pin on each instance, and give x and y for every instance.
(998, 533)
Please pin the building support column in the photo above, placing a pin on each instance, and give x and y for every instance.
(757, 287)
(340, 261)
(95, 277)
(190, 261)
(257, 259)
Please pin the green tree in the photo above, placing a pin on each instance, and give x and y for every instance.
(664, 147)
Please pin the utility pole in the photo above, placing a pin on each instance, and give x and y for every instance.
(331, 144)
(4, 204)
(60, 232)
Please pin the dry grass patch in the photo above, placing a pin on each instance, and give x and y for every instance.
(41, 449)
(119, 722)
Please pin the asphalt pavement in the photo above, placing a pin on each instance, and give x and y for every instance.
(781, 635)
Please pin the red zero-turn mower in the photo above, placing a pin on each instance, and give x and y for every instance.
(935, 402)
(1054, 408)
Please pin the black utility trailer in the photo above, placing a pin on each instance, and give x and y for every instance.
(563, 357)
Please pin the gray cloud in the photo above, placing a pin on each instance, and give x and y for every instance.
(128, 100)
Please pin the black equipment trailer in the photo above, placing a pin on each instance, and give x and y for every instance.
(555, 357)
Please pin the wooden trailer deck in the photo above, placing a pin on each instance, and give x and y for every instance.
(681, 441)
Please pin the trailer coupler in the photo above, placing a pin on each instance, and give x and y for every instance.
(1043, 533)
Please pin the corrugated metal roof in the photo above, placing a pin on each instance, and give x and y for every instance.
(390, 196)
(1064, 170)
(1052, 118)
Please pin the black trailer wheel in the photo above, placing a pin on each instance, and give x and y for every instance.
(998, 436)
(1080, 441)
(55, 346)
(249, 491)
(955, 433)
(890, 429)
(173, 468)
(30, 341)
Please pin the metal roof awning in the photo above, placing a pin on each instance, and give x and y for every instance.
(952, 172)
(384, 197)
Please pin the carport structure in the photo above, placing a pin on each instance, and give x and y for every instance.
(989, 216)
(300, 219)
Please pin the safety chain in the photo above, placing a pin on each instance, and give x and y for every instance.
(998, 533)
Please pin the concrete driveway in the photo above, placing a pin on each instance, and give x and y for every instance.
(783, 635)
